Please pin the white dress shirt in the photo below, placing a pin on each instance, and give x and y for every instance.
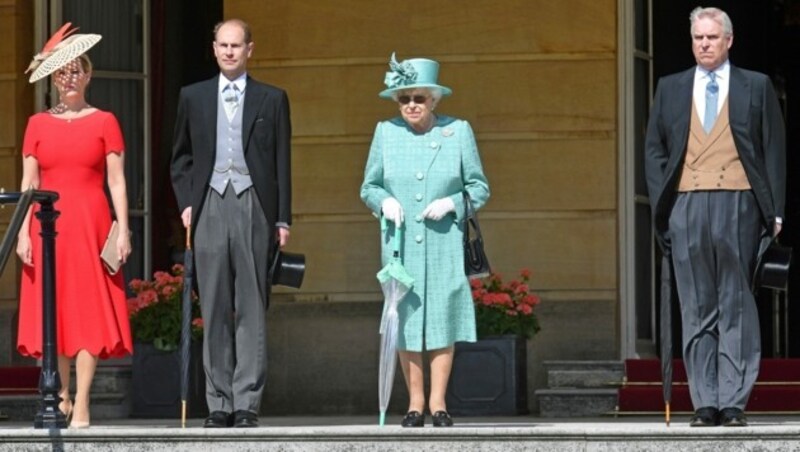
(701, 79)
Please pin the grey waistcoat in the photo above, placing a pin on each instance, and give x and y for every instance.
(229, 165)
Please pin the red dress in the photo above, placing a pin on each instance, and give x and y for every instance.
(91, 310)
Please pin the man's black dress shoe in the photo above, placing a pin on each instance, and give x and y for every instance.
(413, 419)
(705, 417)
(244, 419)
(217, 419)
(732, 417)
(442, 419)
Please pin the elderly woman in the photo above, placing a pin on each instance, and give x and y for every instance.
(420, 167)
(73, 148)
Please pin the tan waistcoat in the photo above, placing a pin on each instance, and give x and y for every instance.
(712, 162)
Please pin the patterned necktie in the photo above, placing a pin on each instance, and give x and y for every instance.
(712, 94)
(231, 97)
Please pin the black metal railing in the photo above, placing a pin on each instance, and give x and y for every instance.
(48, 416)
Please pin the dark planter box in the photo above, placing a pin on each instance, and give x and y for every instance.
(489, 377)
(156, 383)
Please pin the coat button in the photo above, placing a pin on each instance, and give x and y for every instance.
(418, 218)
(420, 176)
(434, 145)
(419, 197)
(418, 238)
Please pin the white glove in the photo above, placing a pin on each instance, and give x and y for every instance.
(392, 211)
(438, 208)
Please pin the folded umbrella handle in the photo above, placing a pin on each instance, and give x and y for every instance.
(395, 238)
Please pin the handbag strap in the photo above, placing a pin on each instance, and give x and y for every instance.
(472, 218)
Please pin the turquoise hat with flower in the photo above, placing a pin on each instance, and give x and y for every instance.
(410, 74)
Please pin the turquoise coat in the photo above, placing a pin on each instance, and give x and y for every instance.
(417, 169)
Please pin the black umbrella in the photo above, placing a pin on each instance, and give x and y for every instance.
(186, 322)
(666, 332)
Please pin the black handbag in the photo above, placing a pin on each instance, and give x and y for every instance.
(476, 265)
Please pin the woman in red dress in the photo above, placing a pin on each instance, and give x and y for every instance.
(70, 149)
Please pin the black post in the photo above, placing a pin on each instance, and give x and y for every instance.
(49, 416)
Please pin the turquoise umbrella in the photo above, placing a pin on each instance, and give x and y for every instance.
(395, 283)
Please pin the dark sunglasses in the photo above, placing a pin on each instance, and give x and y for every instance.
(417, 99)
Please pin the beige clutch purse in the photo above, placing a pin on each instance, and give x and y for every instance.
(109, 254)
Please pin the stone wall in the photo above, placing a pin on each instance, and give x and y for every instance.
(323, 357)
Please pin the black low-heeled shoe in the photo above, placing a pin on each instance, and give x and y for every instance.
(442, 419)
(413, 419)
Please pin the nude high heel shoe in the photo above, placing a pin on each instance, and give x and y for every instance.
(79, 424)
(66, 407)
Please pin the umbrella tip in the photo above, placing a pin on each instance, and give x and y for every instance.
(382, 421)
(183, 414)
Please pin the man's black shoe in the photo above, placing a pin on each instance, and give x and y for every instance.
(217, 419)
(732, 417)
(705, 417)
(244, 419)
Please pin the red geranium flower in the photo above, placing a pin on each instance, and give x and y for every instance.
(155, 310)
(505, 308)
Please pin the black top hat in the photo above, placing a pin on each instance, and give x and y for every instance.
(287, 269)
(772, 267)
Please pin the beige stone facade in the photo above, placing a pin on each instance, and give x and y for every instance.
(539, 82)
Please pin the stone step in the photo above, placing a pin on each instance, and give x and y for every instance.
(335, 434)
(576, 402)
(110, 379)
(580, 388)
(584, 374)
(110, 396)
(105, 405)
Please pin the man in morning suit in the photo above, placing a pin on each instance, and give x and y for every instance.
(231, 176)
(715, 165)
